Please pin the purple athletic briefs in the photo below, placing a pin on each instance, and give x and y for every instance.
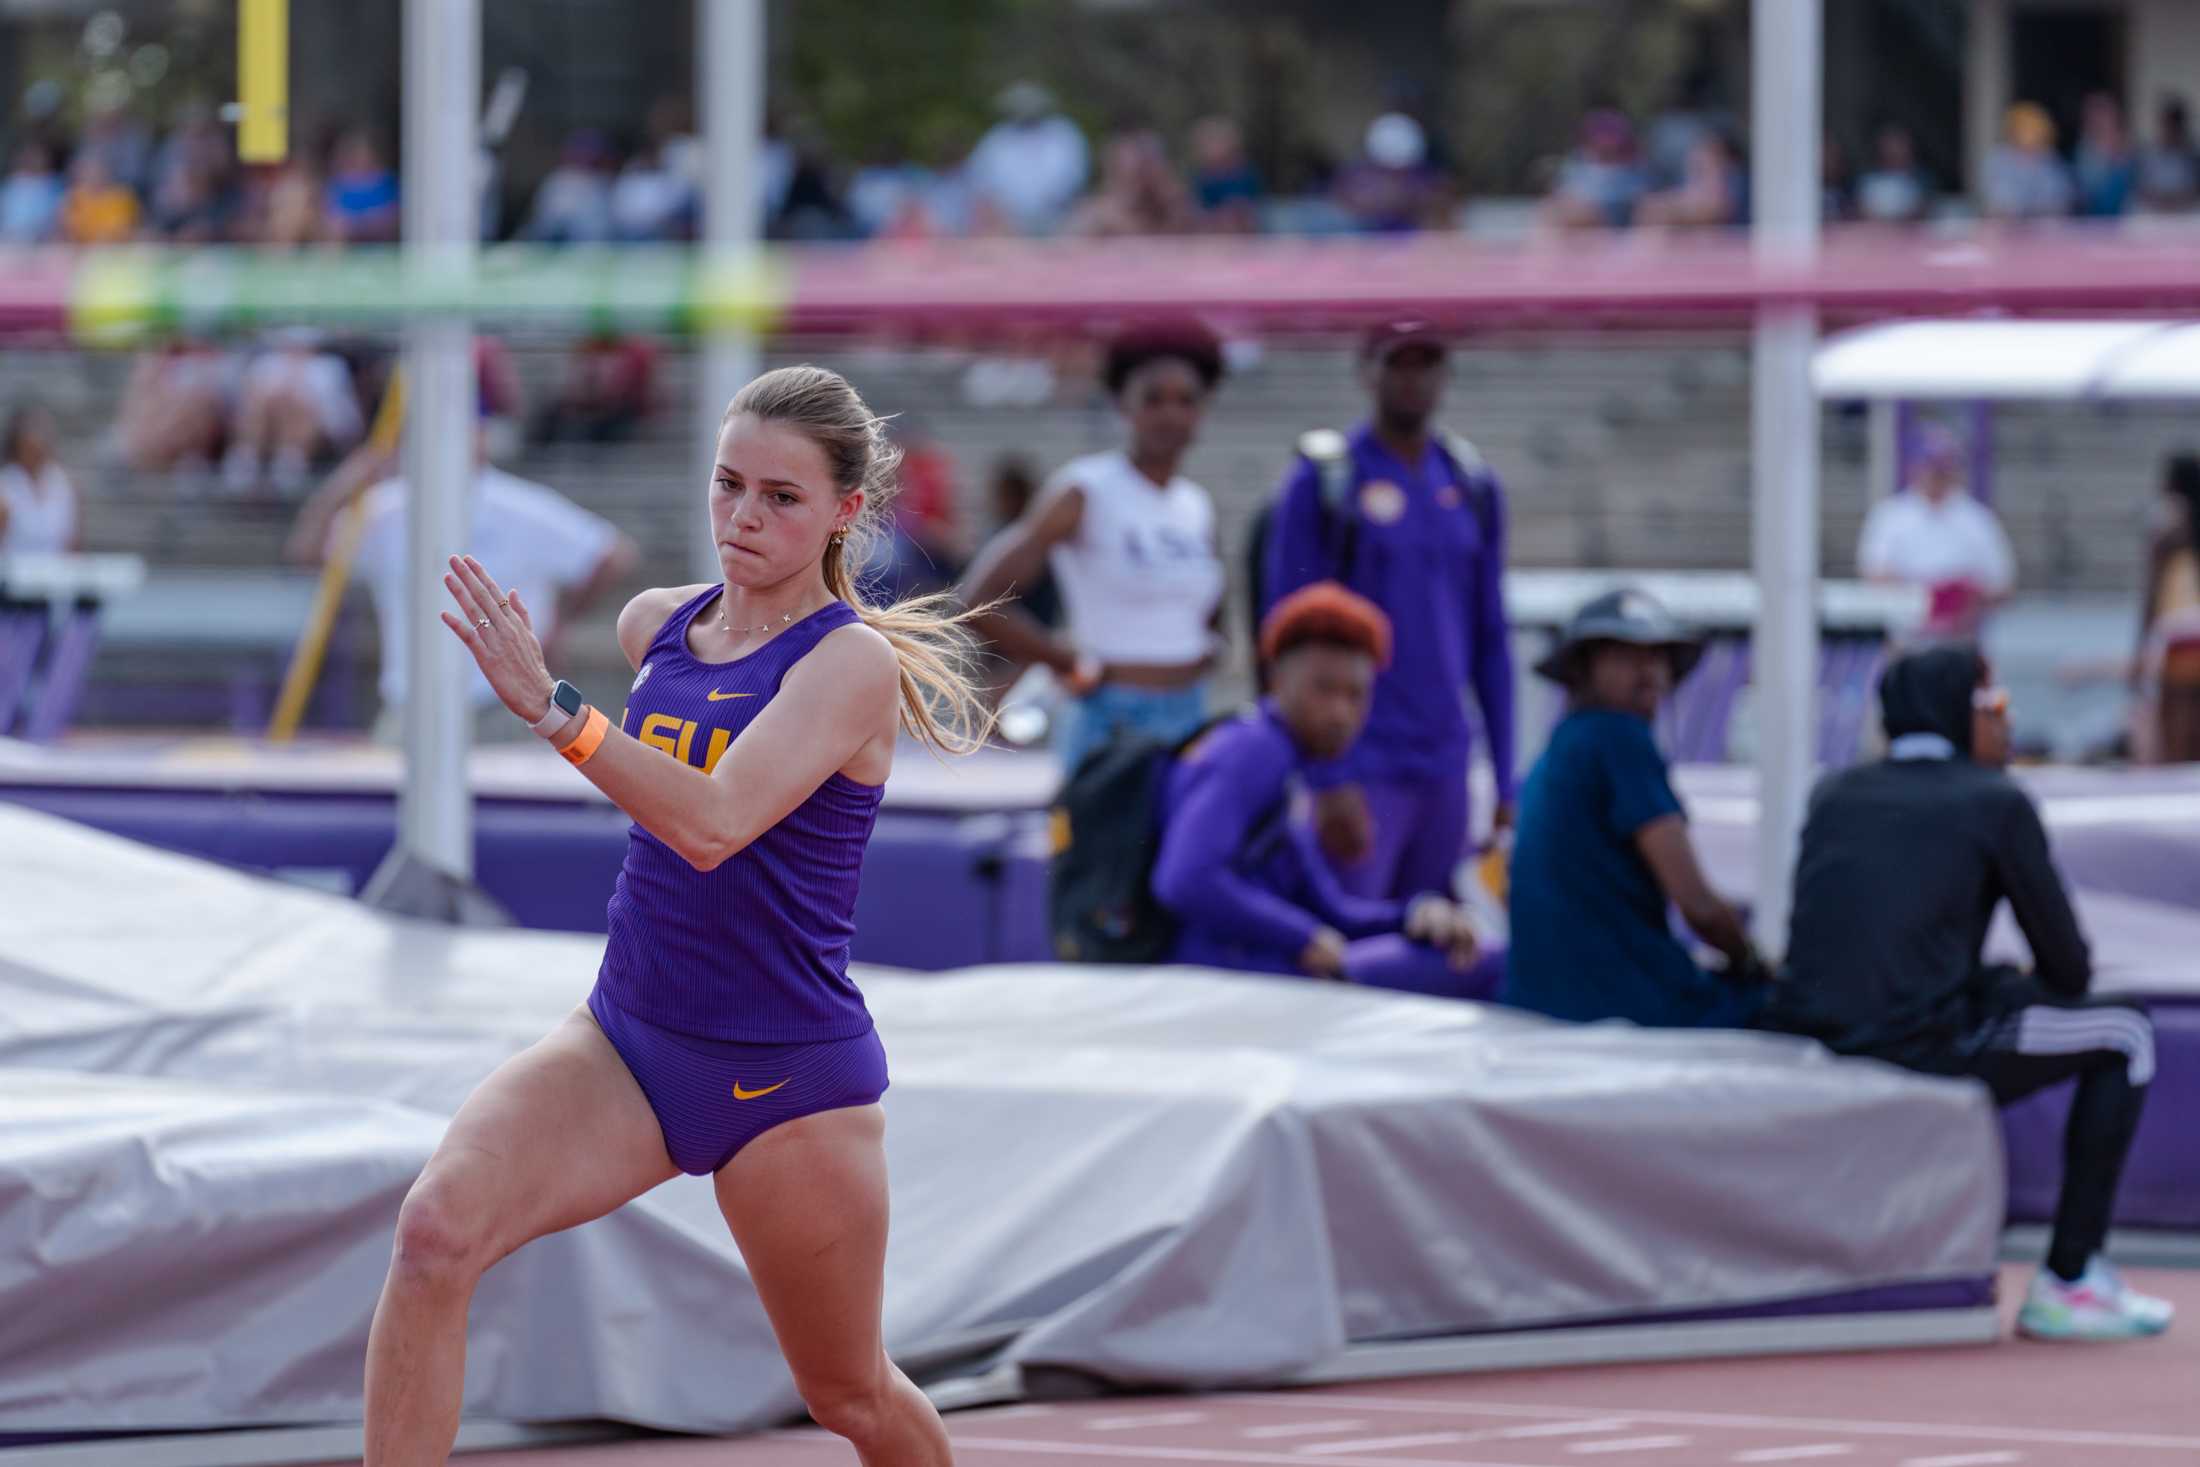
(713, 1097)
(755, 951)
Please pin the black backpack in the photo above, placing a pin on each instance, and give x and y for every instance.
(1105, 829)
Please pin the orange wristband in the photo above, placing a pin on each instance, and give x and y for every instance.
(590, 739)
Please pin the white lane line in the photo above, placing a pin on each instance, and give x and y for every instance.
(1795, 1454)
(1139, 1452)
(1140, 1421)
(1011, 1413)
(2019, 1435)
(1301, 1428)
(1382, 1444)
(1966, 1459)
(1565, 1428)
(1629, 1444)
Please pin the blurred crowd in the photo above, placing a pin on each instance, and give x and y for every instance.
(1037, 172)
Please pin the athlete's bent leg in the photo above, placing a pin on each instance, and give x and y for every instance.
(559, 1134)
(807, 1204)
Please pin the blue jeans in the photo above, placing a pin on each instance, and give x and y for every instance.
(1168, 714)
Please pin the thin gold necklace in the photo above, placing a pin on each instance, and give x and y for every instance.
(750, 631)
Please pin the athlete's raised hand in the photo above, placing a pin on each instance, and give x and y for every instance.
(500, 632)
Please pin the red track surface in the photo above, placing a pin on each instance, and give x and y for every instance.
(2012, 1405)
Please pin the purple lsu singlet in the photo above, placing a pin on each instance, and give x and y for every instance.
(756, 950)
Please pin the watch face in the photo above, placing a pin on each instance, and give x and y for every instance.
(567, 696)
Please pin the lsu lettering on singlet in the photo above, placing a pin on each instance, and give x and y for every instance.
(756, 950)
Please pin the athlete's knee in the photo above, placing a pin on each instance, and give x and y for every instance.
(440, 1243)
(856, 1407)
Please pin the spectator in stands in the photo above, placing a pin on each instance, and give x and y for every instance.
(30, 197)
(1031, 166)
(193, 196)
(650, 202)
(573, 204)
(97, 209)
(2166, 712)
(192, 205)
(121, 143)
(812, 209)
(1934, 534)
(1894, 190)
(1712, 192)
(295, 405)
(2169, 167)
(2025, 177)
(38, 510)
(175, 408)
(362, 191)
(1886, 958)
(1602, 853)
(1413, 519)
(1243, 879)
(1601, 181)
(1139, 191)
(559, 556)
(1393, 187)
(1225, 185)
(290, 210)
(1132, 545)
(2106, 168)
(608, 390)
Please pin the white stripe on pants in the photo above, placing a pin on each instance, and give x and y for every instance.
(2050, 1029)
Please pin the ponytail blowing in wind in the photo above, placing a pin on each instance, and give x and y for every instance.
(940, 703)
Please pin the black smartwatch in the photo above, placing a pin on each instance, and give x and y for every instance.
(565, 701)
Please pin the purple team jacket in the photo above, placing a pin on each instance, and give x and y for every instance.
(1423, 556)
(1254, 910)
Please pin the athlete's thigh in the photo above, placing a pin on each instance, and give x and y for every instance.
(807, 1205)
(559, 1134)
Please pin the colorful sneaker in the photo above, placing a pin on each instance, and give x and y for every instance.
(2098, 1305)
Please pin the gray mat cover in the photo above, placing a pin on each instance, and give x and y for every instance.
(214, 1091)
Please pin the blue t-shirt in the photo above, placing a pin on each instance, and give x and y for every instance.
(1590, 934)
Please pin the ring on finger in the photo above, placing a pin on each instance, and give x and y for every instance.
(483, 624)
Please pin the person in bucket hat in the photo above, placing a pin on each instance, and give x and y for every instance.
(1602, 851)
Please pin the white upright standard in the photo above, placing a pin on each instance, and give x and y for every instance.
(1785, 71)
(730, 84)
(429, 872)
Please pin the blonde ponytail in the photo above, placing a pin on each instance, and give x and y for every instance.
(940, 702)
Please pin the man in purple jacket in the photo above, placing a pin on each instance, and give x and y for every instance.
(1412, 519)
(1244, 879)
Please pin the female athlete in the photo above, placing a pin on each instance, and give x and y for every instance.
(723, 1036)
(1132, 545)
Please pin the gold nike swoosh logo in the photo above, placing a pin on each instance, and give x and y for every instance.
(717, 697)
(740, 1094)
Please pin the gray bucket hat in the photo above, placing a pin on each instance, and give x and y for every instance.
(1626, 615)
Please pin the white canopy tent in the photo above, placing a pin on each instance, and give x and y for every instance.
(2038, 361)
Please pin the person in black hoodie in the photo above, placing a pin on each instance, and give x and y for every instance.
(1902, 864)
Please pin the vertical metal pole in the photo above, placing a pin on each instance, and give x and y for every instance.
(430, 871)
(1786, 45)
(729, 90)
(1882, 450)
(1982, 450)
(1986, 87)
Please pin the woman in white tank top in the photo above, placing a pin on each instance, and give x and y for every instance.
(1131, 543)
